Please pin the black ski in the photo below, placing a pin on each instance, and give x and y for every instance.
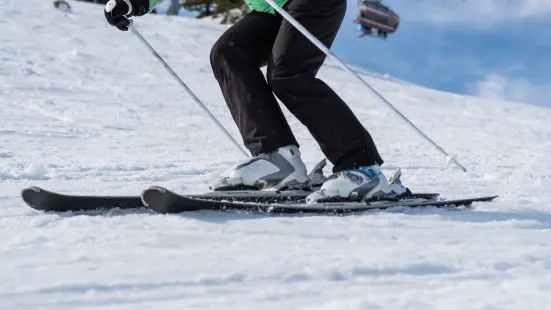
(41, 199)
(162, 200)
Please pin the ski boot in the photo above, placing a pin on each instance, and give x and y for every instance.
(281, 169)
(362, 184)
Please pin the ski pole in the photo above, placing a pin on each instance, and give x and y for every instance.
(326, 50)
(184, 86)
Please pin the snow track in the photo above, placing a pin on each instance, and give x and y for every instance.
(86, 109)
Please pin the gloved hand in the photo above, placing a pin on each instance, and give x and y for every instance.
(117, 12)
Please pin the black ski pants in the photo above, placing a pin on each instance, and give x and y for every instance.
(260, 39)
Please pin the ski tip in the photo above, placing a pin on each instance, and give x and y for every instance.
(28, 194)
(158, 199)
(155, 188)
(152, 191)
(479, 199)
(488, 197)
(32, 188)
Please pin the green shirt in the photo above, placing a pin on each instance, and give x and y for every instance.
(255, 5)
(263, 6)
(153, 3)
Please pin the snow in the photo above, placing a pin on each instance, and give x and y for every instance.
(86, 109)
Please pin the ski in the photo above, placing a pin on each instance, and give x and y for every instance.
(164, 201)
(44, 200)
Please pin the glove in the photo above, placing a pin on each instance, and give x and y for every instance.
(117, 12)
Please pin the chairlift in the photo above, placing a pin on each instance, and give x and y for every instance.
(376, 19)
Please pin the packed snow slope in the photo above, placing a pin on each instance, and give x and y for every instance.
(86, 109)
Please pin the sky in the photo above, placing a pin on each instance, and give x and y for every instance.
(497, 49)
(492, 48)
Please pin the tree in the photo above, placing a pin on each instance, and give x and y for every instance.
(203, 7)
(229, 11)
(174, 7)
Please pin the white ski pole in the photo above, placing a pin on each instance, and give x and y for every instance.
(326, 50)
(184, 86)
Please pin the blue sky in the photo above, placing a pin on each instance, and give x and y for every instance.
(493, 48)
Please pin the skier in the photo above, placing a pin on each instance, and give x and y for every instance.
(263, 37)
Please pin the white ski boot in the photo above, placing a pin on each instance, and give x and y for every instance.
(362, 184)
(281, 169)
